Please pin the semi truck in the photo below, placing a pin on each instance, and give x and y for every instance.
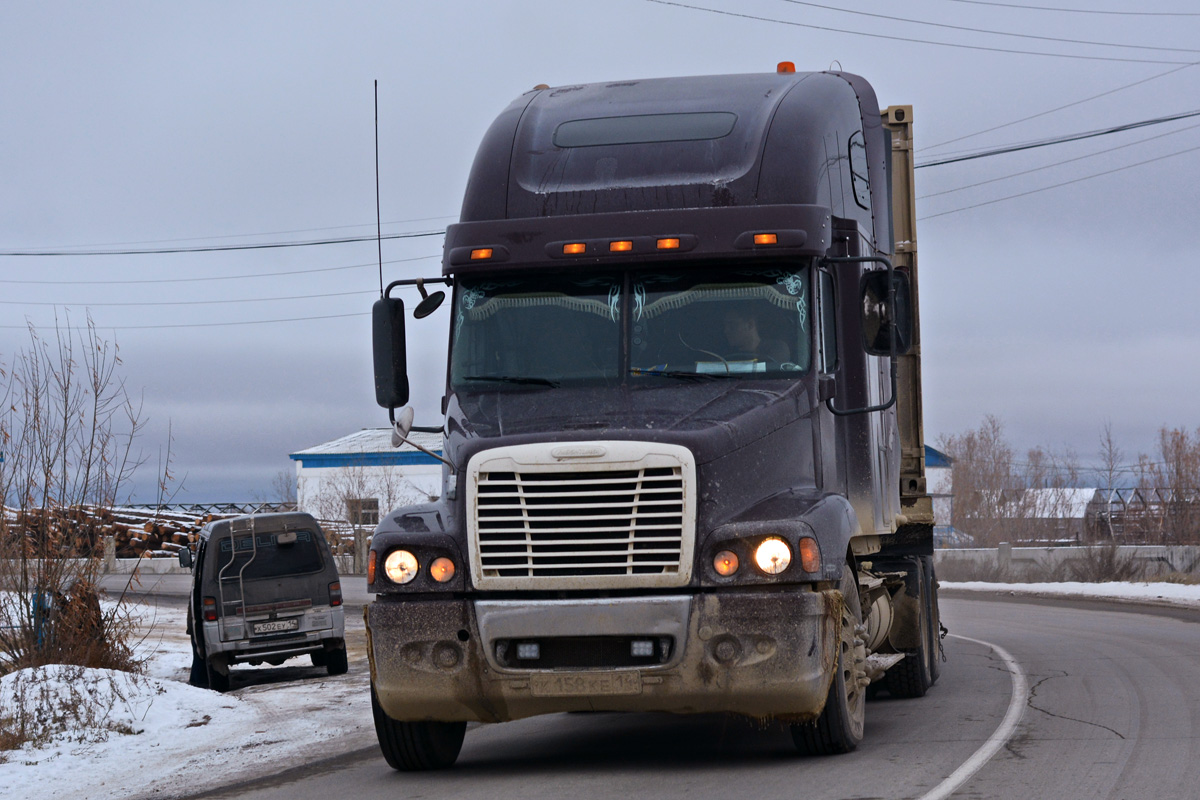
(683, 459)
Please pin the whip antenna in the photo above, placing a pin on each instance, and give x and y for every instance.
(378, 224)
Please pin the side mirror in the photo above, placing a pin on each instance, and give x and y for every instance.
(881, 322)
(185, 558)
(391, 367)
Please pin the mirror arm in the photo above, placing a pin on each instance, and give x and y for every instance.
(891, 271)
(415, 282)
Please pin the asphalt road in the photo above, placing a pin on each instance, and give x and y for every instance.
(1106, 707)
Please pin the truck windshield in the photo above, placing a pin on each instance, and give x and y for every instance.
(545, 331)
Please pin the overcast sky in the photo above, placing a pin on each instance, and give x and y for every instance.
(139, 125)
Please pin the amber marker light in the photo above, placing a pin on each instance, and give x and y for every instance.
(442, 569)
(620, 247)
(668, 244)
(372, 558)
(810, 555)
(785, 66)
(481, 254)
(725, 563)
(773, 555)
(765, 238)
(574, 249)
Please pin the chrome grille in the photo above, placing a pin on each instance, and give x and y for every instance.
(623, 523)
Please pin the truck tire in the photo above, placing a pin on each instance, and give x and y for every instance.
(415, 746)
(318, 658)
(336, 660)
(839, 729)
(935, 624)
(912, 677)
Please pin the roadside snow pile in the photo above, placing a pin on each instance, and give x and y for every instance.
(69, 710)
(1155, 593)
(106, 734)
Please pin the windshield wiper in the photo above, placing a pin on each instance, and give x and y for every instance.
(517, 379)
(680, 374)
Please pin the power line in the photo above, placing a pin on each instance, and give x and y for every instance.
(1054, 110)
(213, 277)
(260, 233)
(1057, 163)
(911, 40)
(1081, 10)
(1071, 137)
(990, 32)
(196, 324)
(157, 303)
(216, 247)
(1059, 185)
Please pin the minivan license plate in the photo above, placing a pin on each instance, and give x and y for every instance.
(275, 626)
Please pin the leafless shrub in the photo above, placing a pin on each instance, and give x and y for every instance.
(67, 429)
(1100, 563)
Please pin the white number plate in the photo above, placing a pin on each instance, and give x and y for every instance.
(552, 685)
(275, 626)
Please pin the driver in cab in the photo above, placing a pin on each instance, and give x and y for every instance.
(746, 342)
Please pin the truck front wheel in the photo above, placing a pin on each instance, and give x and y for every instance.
(413, 746)
(839, 729)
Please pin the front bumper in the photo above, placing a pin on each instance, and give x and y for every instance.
(766, 653)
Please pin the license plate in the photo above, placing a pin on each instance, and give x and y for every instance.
(275, 626)
(576, 685)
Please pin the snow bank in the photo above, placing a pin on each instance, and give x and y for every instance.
(128, 736)
(1156, 593)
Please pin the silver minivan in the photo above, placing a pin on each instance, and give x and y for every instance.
(265, 588)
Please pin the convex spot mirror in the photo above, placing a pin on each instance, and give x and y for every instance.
(429, 302)
(879, 323)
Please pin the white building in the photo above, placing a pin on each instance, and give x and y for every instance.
(359, 476)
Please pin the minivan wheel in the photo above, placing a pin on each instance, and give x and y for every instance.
(198, 676)
(218, 676)
(413, 746)
(318, 658)
(336, 661)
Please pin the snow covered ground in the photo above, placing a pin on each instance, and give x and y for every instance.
(155, 736)
(1159, 594)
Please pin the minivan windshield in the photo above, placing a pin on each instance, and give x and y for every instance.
(541, 330)
(266, 555)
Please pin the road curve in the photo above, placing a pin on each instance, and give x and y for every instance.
(1110, 711)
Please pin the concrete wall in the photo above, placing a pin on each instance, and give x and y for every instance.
(1028, 562)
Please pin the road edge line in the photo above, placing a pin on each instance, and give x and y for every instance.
(999, 737)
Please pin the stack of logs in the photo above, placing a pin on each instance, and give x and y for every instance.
(137, 533)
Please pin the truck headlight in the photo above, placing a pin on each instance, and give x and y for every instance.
(773, 555)
(401, 566)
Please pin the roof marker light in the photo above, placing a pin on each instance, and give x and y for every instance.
(765, 238)
(785, 66)
(481, 253)
(623, 246)
(574, 249)
(668, 244)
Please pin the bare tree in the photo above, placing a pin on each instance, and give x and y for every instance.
(1174, 481)
(67, 430)
(983, 482)
(357, 495)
